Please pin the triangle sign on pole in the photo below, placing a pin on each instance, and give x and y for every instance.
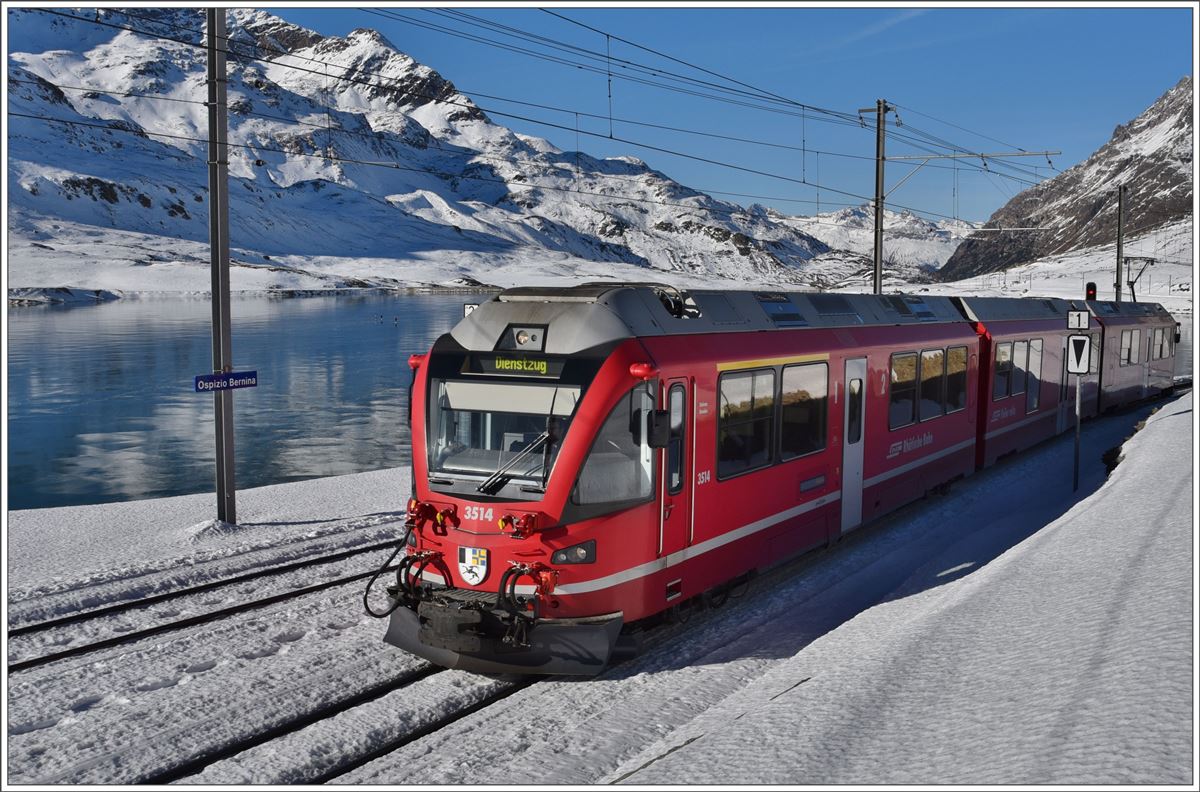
(1078, 347)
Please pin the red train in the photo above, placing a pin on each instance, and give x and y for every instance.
(588, 457)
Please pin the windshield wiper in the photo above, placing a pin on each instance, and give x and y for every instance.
(492, 484)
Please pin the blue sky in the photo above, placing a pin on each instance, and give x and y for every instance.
(1029, 78)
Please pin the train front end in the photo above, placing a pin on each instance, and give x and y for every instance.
(532, 425)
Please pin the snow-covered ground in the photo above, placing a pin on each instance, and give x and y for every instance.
(1008, 632)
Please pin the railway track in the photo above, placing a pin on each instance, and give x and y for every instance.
(108, 610)
(191, 621)
(353, 763)
(197, 762)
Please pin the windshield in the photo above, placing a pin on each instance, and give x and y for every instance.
(493, 433)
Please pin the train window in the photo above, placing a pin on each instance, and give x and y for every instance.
(1131, 341)
(675, 443)
(902, 400)
(1002, 374)
(477, 428)
(803, 409)
(1159, 351)
(854, 410)
(1020, 362)
(1034, 394)
(956, 379)
(619, 468)
(933, 384)
(745, 421)
(1094, 354)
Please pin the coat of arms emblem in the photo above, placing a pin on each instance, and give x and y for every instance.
(473, 564)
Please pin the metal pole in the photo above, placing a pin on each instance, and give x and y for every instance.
(1120, 236)
(881, 108)
(218, 236)
(1078, 410)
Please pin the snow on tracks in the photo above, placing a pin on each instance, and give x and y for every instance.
(62, 596)
(325, 751)
(34, 645)
(133, 712)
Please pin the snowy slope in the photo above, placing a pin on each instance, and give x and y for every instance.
(385, 177)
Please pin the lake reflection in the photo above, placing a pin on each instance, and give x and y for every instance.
(102, 406)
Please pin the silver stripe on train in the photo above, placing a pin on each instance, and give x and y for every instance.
(1018, 424)
(916, 463)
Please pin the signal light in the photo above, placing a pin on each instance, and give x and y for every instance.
(1090, 292)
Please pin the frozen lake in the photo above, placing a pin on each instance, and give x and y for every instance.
(102, 405)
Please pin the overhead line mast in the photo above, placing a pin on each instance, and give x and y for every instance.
(218, 238)
(881, 109)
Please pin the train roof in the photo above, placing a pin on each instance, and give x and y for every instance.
(992, 309)
(1103, 309)
(591, 314)
(997, 309)
(594, 313)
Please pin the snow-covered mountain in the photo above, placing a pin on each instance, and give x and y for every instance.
(913, 248)
(1151, 156)
(378, 173)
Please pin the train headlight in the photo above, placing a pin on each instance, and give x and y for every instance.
(584, 553)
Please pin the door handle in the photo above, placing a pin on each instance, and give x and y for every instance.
(667, 509)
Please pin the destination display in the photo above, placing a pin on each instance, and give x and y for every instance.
(227, 380)
(514, 366)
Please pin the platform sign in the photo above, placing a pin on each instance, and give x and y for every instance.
(1077, 320)
(1078, 349)
(227, 380)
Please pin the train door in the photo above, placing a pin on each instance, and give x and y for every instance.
(852, 443)
(1146, 362)
(679, 469)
